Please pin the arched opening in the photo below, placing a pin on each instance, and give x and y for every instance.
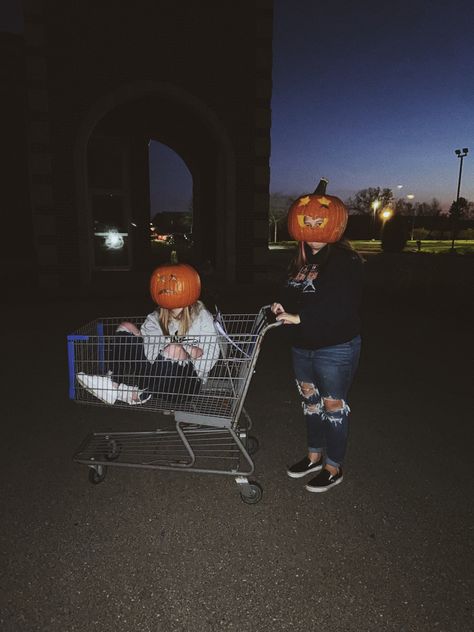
(116, 133)
(171, 200)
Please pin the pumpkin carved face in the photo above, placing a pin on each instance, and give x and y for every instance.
(317, 218)
(175, 285)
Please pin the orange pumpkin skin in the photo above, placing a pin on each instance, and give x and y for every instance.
(175, 285)
(318, 218)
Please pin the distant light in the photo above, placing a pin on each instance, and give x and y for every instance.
(399, 186)
(133, 224)
(113, 239)
(386, 213)
(410, 196)
(376, 204)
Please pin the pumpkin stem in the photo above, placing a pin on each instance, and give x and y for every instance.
(174, 257)
(321, 188)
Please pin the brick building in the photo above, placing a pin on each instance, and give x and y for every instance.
(105, 78)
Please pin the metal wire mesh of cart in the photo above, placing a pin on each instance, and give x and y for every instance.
(213, 450)
(115, 367)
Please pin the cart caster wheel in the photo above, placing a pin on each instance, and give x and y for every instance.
(96, 476)
(113, 450)
(252, 445)
(254, 494)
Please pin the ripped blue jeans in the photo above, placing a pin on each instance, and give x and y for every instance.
(329, 373)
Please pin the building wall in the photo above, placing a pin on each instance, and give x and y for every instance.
(86, 58)
(17, 249)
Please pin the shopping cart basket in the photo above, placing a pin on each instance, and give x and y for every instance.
(210, 430)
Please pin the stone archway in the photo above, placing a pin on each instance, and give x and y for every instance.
(214, 176)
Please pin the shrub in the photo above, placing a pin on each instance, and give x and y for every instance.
(421, 233)
(466, 233)
(394, 234)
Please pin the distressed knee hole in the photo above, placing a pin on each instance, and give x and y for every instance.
(307, 389)
(332, 405)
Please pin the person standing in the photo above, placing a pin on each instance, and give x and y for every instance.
(320, 303)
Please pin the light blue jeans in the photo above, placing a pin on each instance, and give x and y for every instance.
(330, 372)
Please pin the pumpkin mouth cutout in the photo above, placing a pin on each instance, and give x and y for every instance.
(306, 221)
(171, 279)
(167, 291)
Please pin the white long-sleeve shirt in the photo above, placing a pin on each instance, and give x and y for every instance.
(201, 334)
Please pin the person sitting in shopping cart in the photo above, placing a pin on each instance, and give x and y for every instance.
(169, 356)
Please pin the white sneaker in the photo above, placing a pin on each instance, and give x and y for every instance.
(125, 394)
(100, 386)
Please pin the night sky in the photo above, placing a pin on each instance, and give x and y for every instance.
(373, 94)
(366, 94)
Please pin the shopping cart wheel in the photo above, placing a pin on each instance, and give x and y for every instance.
(252, 444)
(97, 474)
(252, 495)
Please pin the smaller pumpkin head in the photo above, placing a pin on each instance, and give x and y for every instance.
(317, 217)
(174, 285)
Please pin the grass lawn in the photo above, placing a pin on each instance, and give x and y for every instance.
(430, 246)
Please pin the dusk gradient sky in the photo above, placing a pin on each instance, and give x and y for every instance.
(373, 94)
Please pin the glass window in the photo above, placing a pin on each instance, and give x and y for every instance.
(109, 202)
(111, 239)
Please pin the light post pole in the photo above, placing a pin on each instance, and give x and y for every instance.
(375, 204)
(411, 197)
(461, 154)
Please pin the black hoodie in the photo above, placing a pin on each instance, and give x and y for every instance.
(326, 293)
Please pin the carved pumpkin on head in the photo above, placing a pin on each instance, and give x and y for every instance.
(317, 217)
(174, 285)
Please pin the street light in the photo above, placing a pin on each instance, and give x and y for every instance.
(411, 197)
(375, 204)
(461, 154)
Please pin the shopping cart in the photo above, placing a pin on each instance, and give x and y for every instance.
(210, 430)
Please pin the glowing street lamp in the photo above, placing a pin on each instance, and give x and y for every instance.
(411, 197)
(385, 214)
(375, 205)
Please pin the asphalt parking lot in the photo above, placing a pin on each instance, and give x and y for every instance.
(164, 551)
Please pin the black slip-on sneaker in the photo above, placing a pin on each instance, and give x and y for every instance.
(305, 466)
(324, 481)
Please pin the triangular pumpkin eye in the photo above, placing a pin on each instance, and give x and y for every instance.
(173, 277)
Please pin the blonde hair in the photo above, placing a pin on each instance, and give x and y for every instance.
(185, 319)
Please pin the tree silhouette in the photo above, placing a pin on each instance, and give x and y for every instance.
(279, 205)
(362, 201)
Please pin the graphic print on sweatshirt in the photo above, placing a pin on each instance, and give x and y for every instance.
(304, 280)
